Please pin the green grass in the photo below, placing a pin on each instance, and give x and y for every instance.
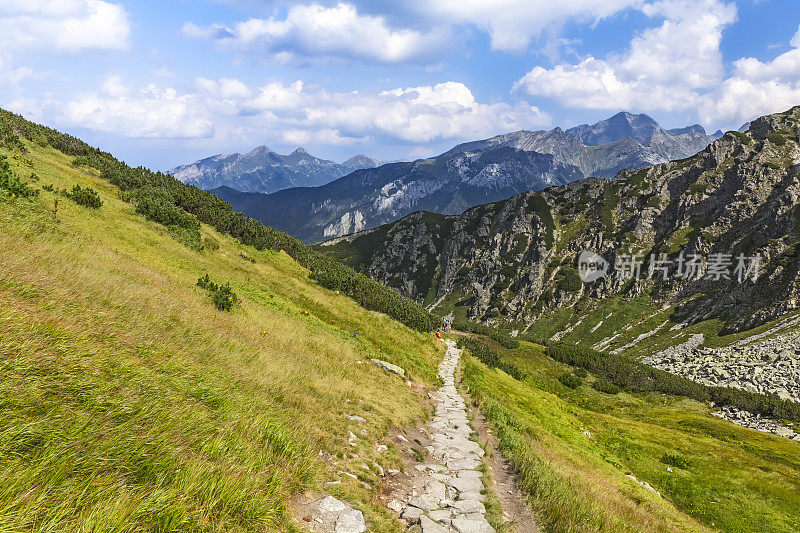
(130, 403)
(724, 477)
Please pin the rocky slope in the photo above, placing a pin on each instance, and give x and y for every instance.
(470, 174)
(265, 171)
(512, 262)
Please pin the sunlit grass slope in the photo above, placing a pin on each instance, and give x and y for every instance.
(128, 402)
(729, 478)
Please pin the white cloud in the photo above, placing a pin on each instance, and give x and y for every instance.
(227, 109)
(512, 24)
(63, 25)
(152, 112)
(314, 30)
(755, 88)
(663, 68)
(677, 66)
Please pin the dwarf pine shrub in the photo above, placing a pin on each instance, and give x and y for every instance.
(222, 296)
(87, 197)
(570, 380)
(489, 356)
(10, 184)
(605, 386)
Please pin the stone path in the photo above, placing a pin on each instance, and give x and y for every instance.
(451, 498)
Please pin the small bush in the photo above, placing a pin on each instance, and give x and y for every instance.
(776, 138)
(580, 372)
(570, 380)
(489, 356)
(87, 197)
(11, 184)
(605, 386)
(210, 243)
(504, 340)
(676, 460)
(570, 280)
(247, 258)
(222, 296)
(698, 187)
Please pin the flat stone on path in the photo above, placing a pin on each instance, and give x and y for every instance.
(429, 526)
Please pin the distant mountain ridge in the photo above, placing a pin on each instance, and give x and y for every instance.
(262, 170)
(470, 174)
(513, 262)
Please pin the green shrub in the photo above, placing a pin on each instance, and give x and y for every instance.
(489, 356)
(569, 280)
(675, 459)
(210, 243)
(535, 338)
(11, 184)
(580, 372)
(776, 138)
(698, 187)
(742, 136)
(87, 197)
(504, 340)
(605, 386)
(247, 258)
(570, 380)
(157, 205)
(222, 296)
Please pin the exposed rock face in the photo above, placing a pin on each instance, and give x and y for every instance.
(470, 174)
(262, 170)
(509, 260)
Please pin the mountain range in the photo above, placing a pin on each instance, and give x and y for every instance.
(262, 170)
(470, 174)
(512, 263)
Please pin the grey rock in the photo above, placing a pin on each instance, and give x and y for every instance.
(351, 521)
(389, 367)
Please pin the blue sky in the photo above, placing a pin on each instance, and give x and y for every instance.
(162, 83)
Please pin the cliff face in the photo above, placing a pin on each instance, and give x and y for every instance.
(510, 261)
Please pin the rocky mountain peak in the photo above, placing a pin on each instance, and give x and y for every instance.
(639, 127)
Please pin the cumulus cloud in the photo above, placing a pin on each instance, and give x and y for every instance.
(339, 31)
(63, 25)
(663, 68)
(676, 66)
(512, 24)
(226, 109)
(755, 88)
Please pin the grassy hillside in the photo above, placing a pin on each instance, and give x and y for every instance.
(577, 447)
(129, 402)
